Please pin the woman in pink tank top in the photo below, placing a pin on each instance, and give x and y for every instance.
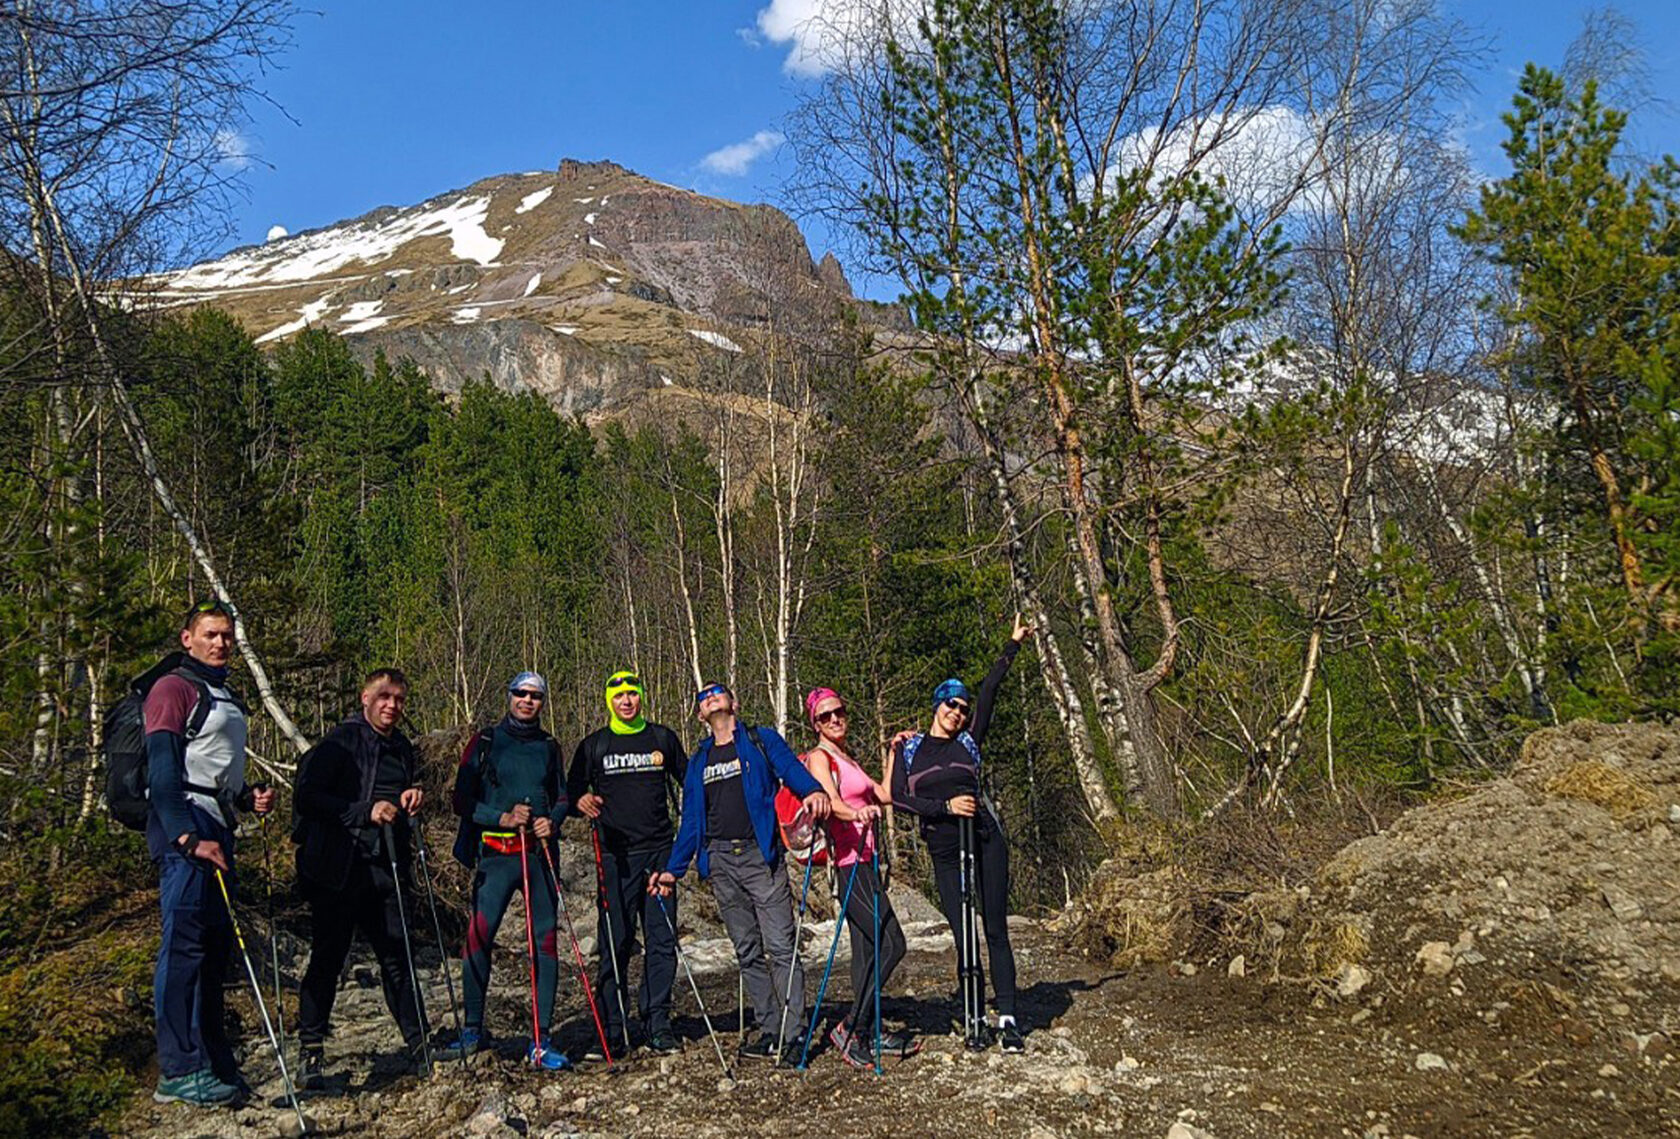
(857, 798)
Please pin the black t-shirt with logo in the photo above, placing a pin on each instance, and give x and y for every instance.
(631, 773)
(726, 801)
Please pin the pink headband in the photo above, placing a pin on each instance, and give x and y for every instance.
(817, 696)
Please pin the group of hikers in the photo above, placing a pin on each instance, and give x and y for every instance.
(358, 808)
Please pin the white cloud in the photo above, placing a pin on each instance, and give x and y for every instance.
(822, 34)
(233, 149)
(736, 158)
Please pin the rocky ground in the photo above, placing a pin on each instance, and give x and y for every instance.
(1502, 964)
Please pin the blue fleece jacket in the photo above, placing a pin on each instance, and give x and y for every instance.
(759, 776)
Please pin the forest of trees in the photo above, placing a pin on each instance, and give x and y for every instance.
(1319, 463)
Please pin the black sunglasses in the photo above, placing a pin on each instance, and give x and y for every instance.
(527, 694)
(625, 682)
(831, 714)
(958, 705)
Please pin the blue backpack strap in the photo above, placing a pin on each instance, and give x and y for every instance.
(911, 746)
(973, 748)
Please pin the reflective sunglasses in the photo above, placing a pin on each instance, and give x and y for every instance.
(528, 694)
(701, 696)
(832, 714)
(627, 680)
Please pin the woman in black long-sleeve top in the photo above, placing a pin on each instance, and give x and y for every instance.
(937, 777)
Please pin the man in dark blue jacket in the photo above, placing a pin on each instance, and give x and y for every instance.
(729, 823)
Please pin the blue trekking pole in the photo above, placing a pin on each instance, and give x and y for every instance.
(798, 930)
(839, 924)
(875, 865)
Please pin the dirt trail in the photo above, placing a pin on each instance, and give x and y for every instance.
(1353, 1004)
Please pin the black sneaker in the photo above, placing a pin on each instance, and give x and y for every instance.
(312, 1069)
(764, 1048)
(793, 1053)
(900, 1044)
(858, 1053)
(980, 1039)
(1010, 1037)
(663, 1042)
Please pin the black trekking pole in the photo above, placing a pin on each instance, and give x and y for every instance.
(390, 836)
(798, 931)
(419, 828)
(611, 946)
(839, 925)
(968, 964)
(875, 865)
(304, 1122)
(273, 937)
(683, 957)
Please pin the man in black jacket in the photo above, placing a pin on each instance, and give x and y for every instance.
(359, 779)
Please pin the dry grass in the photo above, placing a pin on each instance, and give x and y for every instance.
(1591, 781)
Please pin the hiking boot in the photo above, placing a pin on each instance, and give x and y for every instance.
(980, 1039)
(900, 1044)
(858, 1053)
(197, 1089)
(1010, 1037)
(664, 1042)
(548, 1057)
(764, 1048)
(470, 1042)
(840, 1035)
(311, 1069)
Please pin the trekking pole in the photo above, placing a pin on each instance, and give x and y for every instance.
(273, 938)
(530, 941)
(839, 925)
(683, 957)
(577, 953)
(798, 929)
(612, 936)
(419, 828)
(390, 835)
(875, 865)
(262, 1006)
(968, 965)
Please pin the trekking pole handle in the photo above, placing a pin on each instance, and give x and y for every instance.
(389, 834)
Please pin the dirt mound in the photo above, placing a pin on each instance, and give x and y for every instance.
(1564, 869)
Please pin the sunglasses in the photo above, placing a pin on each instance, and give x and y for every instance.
(625, 681)
(831, 714)
(701, 696)
(527, 694)
(957, 706)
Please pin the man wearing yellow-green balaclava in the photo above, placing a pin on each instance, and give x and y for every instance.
(618, 779)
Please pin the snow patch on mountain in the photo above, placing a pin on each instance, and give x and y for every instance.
(531, 201)
(464, 315)
(312, 255)
(715, 339)
(532, 284)
(307, 315)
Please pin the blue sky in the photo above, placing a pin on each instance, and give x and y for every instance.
(388, 103)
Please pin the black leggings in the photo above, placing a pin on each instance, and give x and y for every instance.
(860, 926)
(992, 869)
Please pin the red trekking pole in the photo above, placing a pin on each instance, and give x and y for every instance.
(583, 975)
(530, 938)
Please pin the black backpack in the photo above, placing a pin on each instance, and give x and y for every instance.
(125, 741)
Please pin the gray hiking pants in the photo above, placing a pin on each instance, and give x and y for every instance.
(756, 905)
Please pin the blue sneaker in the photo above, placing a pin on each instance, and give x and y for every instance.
(471, 1041)
(548, 1057)
(199, 1089)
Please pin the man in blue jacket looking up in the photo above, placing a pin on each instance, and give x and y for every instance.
(729, 823)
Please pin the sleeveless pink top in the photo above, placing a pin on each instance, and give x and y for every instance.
(851, 841)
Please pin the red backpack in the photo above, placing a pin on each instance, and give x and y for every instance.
(804, 839)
